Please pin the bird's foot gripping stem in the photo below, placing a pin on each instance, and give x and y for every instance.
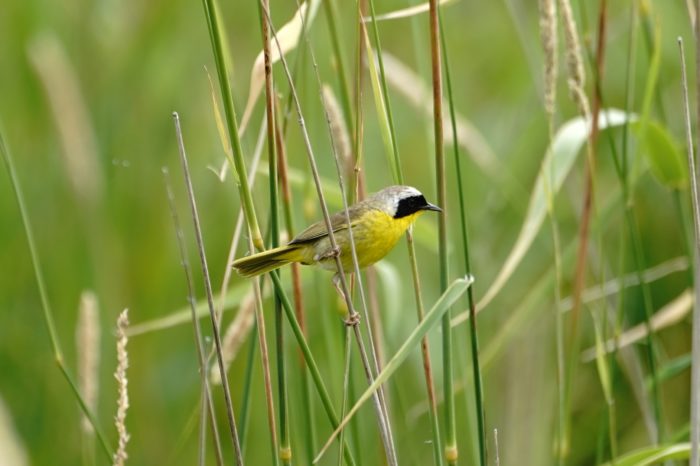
(352, 320)
(353, 317)
(331, 253)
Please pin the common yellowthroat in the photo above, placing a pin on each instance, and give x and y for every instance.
(377, 223)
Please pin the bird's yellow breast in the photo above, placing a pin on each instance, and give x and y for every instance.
(375, 233)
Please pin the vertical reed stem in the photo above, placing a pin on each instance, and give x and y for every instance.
(199, 344)
(332, 15)
(473, 334)
(451, 451)
(285, 452)
(240, 175)
(207, 287)
(382, 419)
(692, 173)
(398, 178)
(286, 196)
(45, 306)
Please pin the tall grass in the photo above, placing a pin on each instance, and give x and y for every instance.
(613, 192)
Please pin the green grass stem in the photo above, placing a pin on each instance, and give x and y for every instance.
(622, 171)
(335, 33)
(382, 417)
(211, 15)
(45, 305)
(695, 200)
(199, 344)
(425, 352)
(386, 101)
(247, 385)
(435, 314)
(311, 363)
(286, 197)
(473, 334)
(207, 286)
(285, 450)
(451, 450)
(620, 164)
(387, 126)
(236, 159)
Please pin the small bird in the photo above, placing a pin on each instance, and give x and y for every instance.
(377, 223)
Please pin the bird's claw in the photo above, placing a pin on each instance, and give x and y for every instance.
(329, 254)
(352, 320)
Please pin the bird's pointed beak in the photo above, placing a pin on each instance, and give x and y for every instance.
(430, 206)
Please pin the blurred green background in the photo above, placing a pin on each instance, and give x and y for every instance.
(86, 95)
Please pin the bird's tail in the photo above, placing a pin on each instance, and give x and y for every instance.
(266, 261)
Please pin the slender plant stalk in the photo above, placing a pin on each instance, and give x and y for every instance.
(211, 16)
(651, 45)
(410, 243)
(473, 334)
(451, 451)
(333, 29)
(257, 154)
(207, 287)
(576, 79)
(381, 414)
(356, 190)
(247, 384)
(584, 227)
(549, 37)
(313, 368)
(199, 344)
(236, 159)
(346, 382)
(356, 268)
(357, 183)
(265, 359)
(202, 434)
(635, 239)
(285, 451)
(427, 369)
(286, 196)
(621, 169)
(385, 92)
(640, 264)
(695, 365)
(46, 307)
(398, 174)
(442, 305)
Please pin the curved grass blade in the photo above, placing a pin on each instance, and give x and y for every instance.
(287, 39)
(448, 298)
(183, 315)
(405, 12)
(671, 314)
(558, 161)
(654, 455)
(409, 85)
(665, 155)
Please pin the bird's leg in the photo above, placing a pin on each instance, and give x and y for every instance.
(353, 319)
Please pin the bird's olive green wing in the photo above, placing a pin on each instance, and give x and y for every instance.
(318, 229)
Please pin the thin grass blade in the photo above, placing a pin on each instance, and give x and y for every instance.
(654, 455)
(287, 40)
(557, 163)
(405, 12)
(448, 298)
